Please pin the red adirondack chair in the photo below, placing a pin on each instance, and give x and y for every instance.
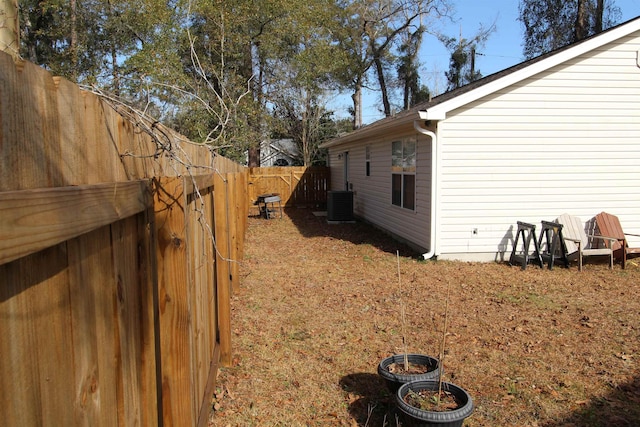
(609, 226)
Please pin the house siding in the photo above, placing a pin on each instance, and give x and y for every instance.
(566, 140)
(372, 194)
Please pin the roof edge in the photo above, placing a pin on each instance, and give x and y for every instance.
(547, 61)
(437, 109)
(404, 117)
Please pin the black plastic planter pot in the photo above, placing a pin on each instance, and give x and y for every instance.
(417, 417)
(394, 381)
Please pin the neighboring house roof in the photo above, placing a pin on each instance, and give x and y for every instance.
(280, 149)
(438, 107)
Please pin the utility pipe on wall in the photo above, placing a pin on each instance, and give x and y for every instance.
(434, 178)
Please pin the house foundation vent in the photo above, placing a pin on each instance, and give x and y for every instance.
(340, 206)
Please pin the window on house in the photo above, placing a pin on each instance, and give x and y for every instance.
(403, 173)
(367, 160)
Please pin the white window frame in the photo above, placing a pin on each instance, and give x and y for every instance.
(403, 167)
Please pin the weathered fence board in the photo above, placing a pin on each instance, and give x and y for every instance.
(92, 297)
(114, 303)
(35, 315)
(31, 220)
(223, 282)
(175, 303)
(134, 305)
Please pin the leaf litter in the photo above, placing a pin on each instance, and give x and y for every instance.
(317, 310)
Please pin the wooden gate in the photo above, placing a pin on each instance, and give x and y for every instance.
(297, 186)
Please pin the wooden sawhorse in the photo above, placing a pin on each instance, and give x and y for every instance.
(552, 233)
(528, 233)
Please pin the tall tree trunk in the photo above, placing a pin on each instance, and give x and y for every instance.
(383, 86)
(254, 156)
(472, 77)
(10, 30)
(599, 16)
(357, 106)
(115, 75)
(259, 96)
(410, 65)
(114, 71)
(306, 158)
(256, 93)
(581, 21)
(407, 90)
(73, 44)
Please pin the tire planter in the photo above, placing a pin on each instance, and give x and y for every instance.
(394, 381)
(417, 417)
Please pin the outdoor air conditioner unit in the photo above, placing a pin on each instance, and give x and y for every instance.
(340, 206)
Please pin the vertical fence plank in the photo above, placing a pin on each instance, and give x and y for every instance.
(18, 363)
(211, 265)
(174, 303)
(71, 101)
(28, 94)
(101, 167)
(223, 284)
(204, 302)
(198, 228)
(92, 303)
(232, 197)
(242, 212)
(192, 246)
(36, 367)
(151, 381)
(137, 390)
(207, 303)
(123, 235)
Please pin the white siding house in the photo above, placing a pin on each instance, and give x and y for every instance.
(559, 133)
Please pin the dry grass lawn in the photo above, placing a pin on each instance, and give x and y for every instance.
(319, 307)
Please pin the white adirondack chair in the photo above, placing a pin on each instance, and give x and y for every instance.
(578, 243)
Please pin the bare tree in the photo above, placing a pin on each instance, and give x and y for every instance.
(581, 27)
(552, 24)
(371, 32)
(599, 16)
(462, 68)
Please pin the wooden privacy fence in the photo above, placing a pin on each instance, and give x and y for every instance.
(118, 255)
(297, 186)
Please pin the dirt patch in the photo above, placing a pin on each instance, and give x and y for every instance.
(319, 308)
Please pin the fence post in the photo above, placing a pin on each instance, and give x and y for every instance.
(223, 285)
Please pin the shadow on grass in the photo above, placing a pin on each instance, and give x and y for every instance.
(621, 408)
(358, 232)
(370, 402)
